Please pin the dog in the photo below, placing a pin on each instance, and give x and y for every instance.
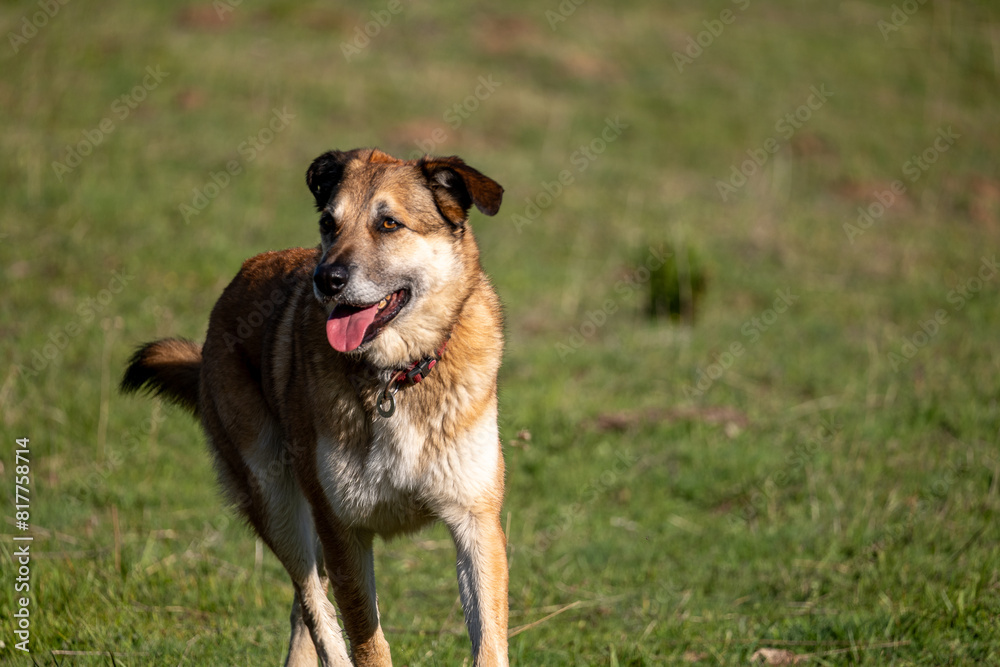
(350, 390)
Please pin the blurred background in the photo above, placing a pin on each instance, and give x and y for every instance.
(748, 256)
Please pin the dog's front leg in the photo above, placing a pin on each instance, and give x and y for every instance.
(351, 568)
(482, 582)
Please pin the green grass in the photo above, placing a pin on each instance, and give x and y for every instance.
(677, 502)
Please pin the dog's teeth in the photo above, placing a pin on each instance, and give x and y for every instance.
(382, 304)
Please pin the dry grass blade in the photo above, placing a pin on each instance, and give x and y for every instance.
(521, 628)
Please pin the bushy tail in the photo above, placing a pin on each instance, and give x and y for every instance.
(170, 368)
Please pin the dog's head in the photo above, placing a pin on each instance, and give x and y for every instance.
(398, 260)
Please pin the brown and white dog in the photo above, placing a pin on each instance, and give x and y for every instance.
(349, 391)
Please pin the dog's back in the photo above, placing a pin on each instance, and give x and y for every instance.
(244, 315)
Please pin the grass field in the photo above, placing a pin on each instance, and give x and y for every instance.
(812, 466)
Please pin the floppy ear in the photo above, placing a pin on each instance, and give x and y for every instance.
(457, 186)
(324, 174)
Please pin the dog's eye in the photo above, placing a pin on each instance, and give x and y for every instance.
(326, 224)
(389, 225)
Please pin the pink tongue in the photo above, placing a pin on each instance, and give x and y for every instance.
(346, 327)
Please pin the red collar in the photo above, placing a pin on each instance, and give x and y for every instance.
(418, 370)
(385, 403)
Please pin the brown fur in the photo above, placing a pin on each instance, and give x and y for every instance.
(292, 422)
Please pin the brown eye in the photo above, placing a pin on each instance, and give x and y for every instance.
(389, 225)
(326, 223)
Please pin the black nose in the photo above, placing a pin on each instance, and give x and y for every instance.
(330, 279)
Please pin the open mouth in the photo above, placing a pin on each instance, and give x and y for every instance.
(350, 326)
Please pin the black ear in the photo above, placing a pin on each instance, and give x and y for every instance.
(324, 174)
(457, 186)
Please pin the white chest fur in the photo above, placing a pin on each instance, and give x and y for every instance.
(408, 474)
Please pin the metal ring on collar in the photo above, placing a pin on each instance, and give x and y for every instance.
(387, 395)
